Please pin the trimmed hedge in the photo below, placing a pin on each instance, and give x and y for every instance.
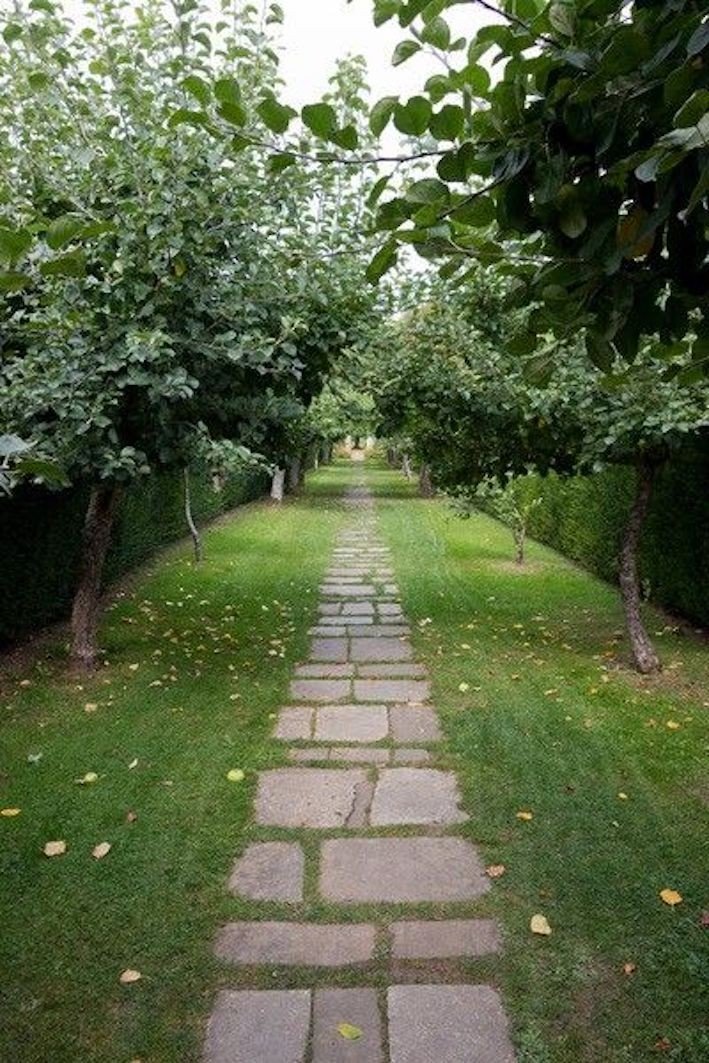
(584, 517)
(40, 534)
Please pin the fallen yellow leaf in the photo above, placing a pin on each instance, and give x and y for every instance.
(235, 775)
(348, 1031)
(101, 850)
(495, 870)
(462, 687)
(9, 812)
(87, 779)
(622, 796)
(129, 976)
(673, 725)
(671, 897)
(629, 968)
(90, 706)
(54, 848)
(540, 925)
(525, 815)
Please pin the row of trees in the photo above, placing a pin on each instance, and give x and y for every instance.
(166, 295)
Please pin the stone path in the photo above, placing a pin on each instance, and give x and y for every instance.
(362, 737)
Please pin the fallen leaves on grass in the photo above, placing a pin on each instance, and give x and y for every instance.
(671, 897)
(348, 1031)
(235, 775)
(101, 850)
(673, 725)
(629, 968)
(10, 812)
(129, 976)
(462, 687)
(57, 848)
(131, 817)
(90, 706)
(88, 779)
(539, 924)
(524, 815)
(133, 764)
(495, 870)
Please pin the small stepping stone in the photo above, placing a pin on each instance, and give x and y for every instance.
(249, 1025)
(269, 871)
(355, 1007)
(389, 609)
(312, 797)
(333, 621)
(358, 755)
(351, 723)
(304, 756)
(391, 690)
(357, 609)
(329, 608)
(400, 870)
(417, 797)
(448, 1024)
(348, 590)
(380, 649)
(357, 622)
(321, 689)
(331, 650)
(296, 944)
(294, 723)
(414, 723)
(412, 756)
(440, 939)
(403, 670)
(376, 631)
(325, 671)
(322, 629)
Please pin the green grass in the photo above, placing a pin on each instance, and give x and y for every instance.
(552, 721)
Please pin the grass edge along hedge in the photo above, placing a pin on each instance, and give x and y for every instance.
(583, 517)
(40, 532)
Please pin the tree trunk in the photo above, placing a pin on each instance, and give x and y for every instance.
(520, 535)
(294, 473)
(406, 466)
(196, 538)
(644, 656)
(303, 465)
(425, 485)
(277, 484)
(86, 609)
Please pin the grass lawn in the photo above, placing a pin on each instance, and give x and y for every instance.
(540, 714)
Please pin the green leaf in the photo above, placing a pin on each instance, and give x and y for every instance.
(320, 118)
(227, 90)
(73, 264)
(413, 117)
(381, 113)
(377, 190)
(183, 116)
(403, 51)
(573, 220)
(63, 230)
(474, 77)
(699, 40)
(385, 258)
(275, 115)
(437, 33)
(438, 86)
(384, 10)
(561, 19)
(348, 1031)
(197, 88)
(12, 281)
(346, 138)
(233, 112)
(428, 190)
(409, 11)
(478, 213)
(11, 32)
(14, 243)
(693, 110)
(447, 124)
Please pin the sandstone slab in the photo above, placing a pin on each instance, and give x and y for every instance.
(331, 650)
(380, 649)
(351, 723)
(321, 689)
(296, 944)
(407, 870)
(415, 797)
(309, 797)
(248, 1025)
(356, 1007)
(439, 939)
(448, 1024)
(411, 723)
(294, 723)
(269, 871)
(391, 690)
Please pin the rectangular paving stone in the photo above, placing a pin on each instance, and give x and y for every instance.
(305, 756)
(321, 689)
(323, 629)
(348, 590)
(331, 650)
(360, 754)
(309, 797)
(380, 649)
(251, 1024)
(390, 670)
(352, 622)
(440, 939)
(351, 723)
(324, 671)
(296, 944)
(356, 1007)
(269, 871)
(406, 870)
(332, 621)
(411, 756)
(294, 723)
(338, 581)
(379, 630)
(329, 608)
(414, 723)
(357, 609)
(390, 609)
(391, 690)
(415, 796)
(448, 1024)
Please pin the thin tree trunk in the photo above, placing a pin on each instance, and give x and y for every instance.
(86, 609)
(406, 466)
(303, 465)
(196, 537)
(520, 536)
(277, 484)
(294, 473)
(425, 485)
(644, 656)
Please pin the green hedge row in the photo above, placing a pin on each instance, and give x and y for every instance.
(583, 517)
(40, 534)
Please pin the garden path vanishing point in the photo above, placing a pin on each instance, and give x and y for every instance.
(362, 741)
